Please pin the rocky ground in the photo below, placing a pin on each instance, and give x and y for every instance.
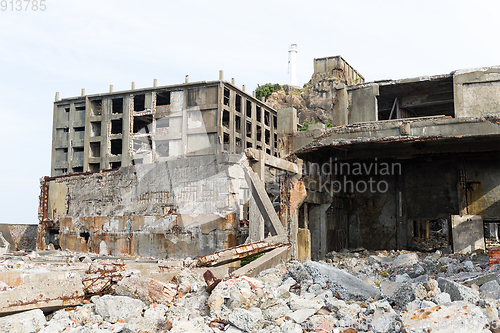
(349, 292)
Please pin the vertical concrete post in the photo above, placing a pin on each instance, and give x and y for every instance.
(133, 86)
(155, 83)
(110, 88)
(233, 81)
(243, 87)
(340, 110)
(57, 96)
(221, 75)
(186, 79)
(287, 125)
(127, 128)
(83, 92)
(256, 223)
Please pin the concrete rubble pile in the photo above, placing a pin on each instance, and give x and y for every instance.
(356, 291)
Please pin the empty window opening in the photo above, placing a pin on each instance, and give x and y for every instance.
(116, 147)
(259, 113)
(259, 133)
(237, 104)
(249, 144)
(61, 171)
(139, 103)
(142, 123)
(96, 107)
(162, 148)
(225, 118)
(275, 141)
(226, 141)
(249, 129)
(85, 235)
(226, 97)
(79, 129)
(238, 145)
(237, 123)
(266, 118)
(275, 122)
(82, 108)
(268, 137)
(115, 165)
(66, 130)
(66, 109)
(78, 149)
(117, 105)
(259, 147)
(268, 151)
(95, 128)
(95, 149)
(163, 98)
(249, 109)
(78, 169)
(116, 126)
(94, 167)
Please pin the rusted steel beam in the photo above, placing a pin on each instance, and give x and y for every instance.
(241, 251)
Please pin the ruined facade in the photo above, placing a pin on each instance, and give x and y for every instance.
(208, 171)
(403, 155)
(140, 126)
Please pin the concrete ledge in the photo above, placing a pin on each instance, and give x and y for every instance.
(268, 260)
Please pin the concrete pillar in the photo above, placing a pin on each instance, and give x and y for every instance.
(186, 79)
(243, 87)
(57, 96)
(319, 231)
(155, 83)
(110, 88)
(340, 112)
(83, 91)
(256, 225)
(221, 75)
(287, 125)
(133, 86)
(233, 82)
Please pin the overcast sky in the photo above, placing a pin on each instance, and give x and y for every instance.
(91, 44)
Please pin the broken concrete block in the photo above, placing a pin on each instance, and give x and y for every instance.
(389, 287)
(407, 259)
(247, 320)
(276, 311)
(346, 285)
(297, 302)
(490, 290)
(48, 295)
(147, 289)
(459, 317)
(301, 315)
(442, 299)
(457, 291)
(384, 321)
(24, 322)
(115, 308)
(403, 295)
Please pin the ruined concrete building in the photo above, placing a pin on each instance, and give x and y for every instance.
(205, 170)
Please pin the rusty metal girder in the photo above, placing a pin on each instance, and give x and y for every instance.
(241, 251)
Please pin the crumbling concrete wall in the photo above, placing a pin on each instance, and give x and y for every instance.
(20, 236)
(177, 208)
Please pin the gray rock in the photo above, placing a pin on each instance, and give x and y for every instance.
(415, 271)
(457, 291)
(490, 290)
(114, 308)
(442, 299)
(403, 295)
(247, 320)
(297, 271)
(275, 312)
(346, 285)
(23, 322)
(406, 259)
(389, 287)
(383, 321)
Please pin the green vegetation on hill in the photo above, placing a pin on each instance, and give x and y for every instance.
(266, 90)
